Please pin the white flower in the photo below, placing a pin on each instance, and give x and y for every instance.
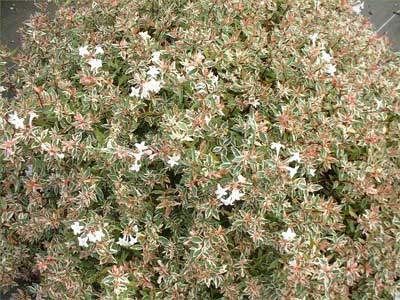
(150, 86)
(220, 192)
(312, 172)
(292, 171)
(16, 121)
(83, 51)
(295, 157)
(227, 201)
(289, 234)
(255, 103)
(331, 69)
(313, 38)
(135, 167)
(99, 50)
(95, 64)
(32, 115)
(358, 7)
(95, 236)
(326, 57)
(141, 146)
(145, 35)
(379, 104)
(2, 89)
(173, 160)
(235, 195)
(135, 92)
(77, 228)
(83, 241)
(155, 57)
(60, 155)
(127, 241)
(153, 71)
(277, 147)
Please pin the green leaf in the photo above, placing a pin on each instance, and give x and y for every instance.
(99, 136)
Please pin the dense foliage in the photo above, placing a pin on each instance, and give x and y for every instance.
(179, 149)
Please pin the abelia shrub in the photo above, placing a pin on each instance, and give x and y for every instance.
(201, 150)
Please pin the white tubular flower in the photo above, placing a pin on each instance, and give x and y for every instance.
(227, 201)
(173, 160)
(83, 51)
(141, 146)
(83, 241)
(326, 57)
(150, 86)
(32, 115)
(288, 235)
(95, 64)
(127, 240)
(155, 57)
(99, 50)
(220, 192)
(135, 92)
(153, 72)
(277, 147)
(96, 236)
(145, 35)
(135, 167)
(16, 121)
(76, 228)
(235, 195)
(331, 69)
(295, 157)
(314, 38)
(292, 171)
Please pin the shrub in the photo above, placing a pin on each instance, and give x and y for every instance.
(201, 150)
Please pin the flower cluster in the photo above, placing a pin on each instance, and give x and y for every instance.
(152, 84)
(91, 236)
(325, 57)
(95, 63)
(234, 195)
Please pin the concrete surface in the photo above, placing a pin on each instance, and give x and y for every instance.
(12, 15)
(379, 11)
